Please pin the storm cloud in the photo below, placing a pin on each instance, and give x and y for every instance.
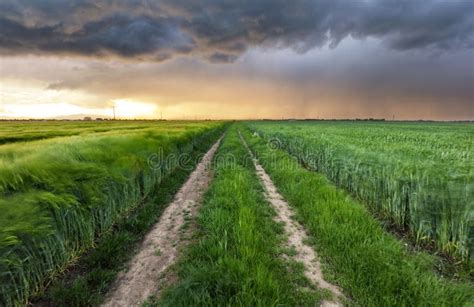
(221, 31)
(242, 59)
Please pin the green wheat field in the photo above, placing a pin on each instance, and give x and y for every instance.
(388, 206)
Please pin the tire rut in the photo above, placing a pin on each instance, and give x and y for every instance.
(296, 234)
(161, 246)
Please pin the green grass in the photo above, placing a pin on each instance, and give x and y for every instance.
(236, 258)
(87, 282)
(25, 131)
(372, 266)
(418, 175)
(84, 193)
(22, 133)
(57, 196)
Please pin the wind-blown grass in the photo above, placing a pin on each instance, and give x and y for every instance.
(236, 260)
(372, 266)
(419, 175)
(58, 195)
(25, 131)
(87, 282)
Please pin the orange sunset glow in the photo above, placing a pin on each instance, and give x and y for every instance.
(313, 72)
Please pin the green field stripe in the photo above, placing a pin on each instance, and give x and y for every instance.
(87, 282)
(417, 176)
(21, 134)
(236, 259)
(372, 266)
(57, 198)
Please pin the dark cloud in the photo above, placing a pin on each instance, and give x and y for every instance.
(117, 34)
(218, 57)
(221, 30)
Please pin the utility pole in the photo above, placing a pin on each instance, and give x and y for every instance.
(114, 111)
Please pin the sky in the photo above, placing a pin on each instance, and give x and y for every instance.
(229, 59)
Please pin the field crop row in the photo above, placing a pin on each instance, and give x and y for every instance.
(417, 175)
(372, 266)
(24, 131)
(57, 196)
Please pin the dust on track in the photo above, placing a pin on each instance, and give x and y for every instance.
(161, 246)
(296, 234)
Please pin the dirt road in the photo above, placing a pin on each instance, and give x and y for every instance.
(161, 246)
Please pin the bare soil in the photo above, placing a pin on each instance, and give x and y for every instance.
(161, 246)
(296, 235)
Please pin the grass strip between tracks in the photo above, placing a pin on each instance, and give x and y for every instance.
(236, 257)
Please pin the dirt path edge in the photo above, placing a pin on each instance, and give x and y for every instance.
(161, 246)
(296, 234)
